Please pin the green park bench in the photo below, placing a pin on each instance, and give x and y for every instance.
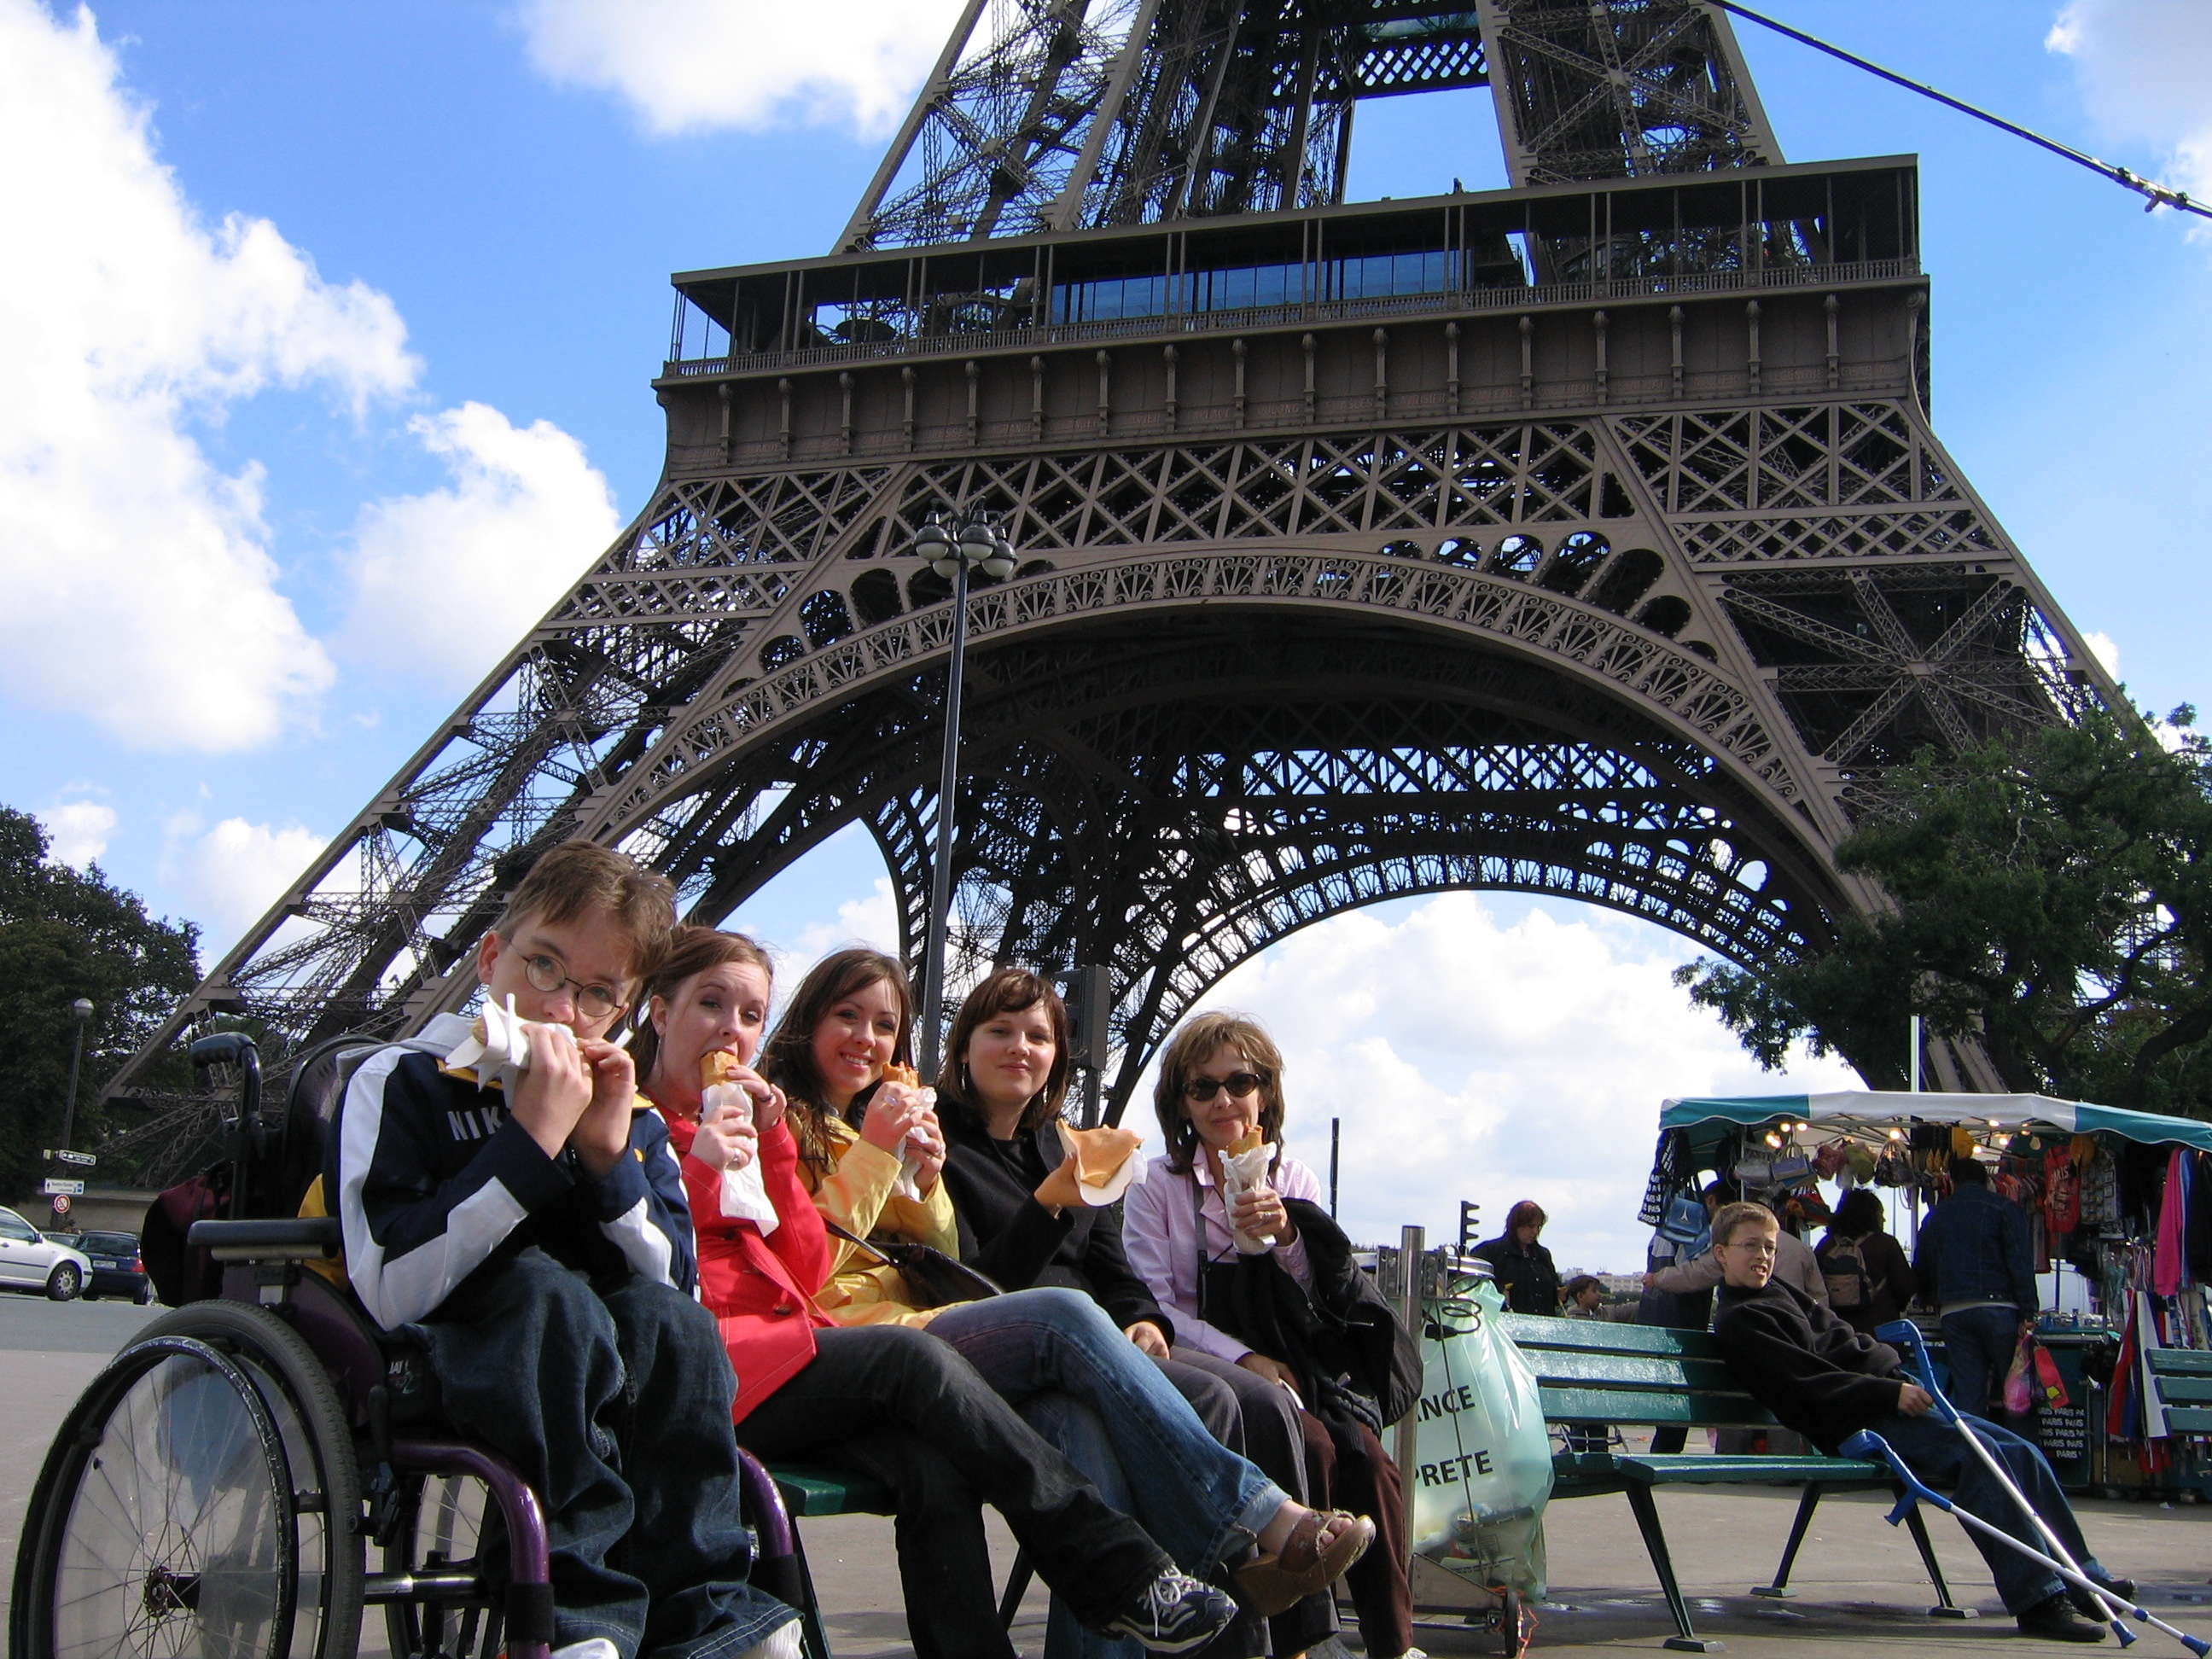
(1592, 1372)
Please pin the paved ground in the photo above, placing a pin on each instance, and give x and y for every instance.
(1859, 1585)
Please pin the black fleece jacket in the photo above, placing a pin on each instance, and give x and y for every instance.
(1006, 1233)
(1811, 1369)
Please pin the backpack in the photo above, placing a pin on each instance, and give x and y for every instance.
(1850, 1285)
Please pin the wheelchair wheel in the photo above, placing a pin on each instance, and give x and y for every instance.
(160, 1527)
(311, 1515)
(318, 1450)
(443, 1533)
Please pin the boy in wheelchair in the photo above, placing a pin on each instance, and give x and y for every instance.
(538, 1239)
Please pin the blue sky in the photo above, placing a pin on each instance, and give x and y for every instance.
(327, 304)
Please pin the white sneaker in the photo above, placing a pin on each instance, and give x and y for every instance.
(595, 1647)
(783, 1643)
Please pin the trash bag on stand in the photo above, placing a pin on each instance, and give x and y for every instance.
(1482, 1471)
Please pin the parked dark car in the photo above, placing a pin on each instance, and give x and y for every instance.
(116, 1269)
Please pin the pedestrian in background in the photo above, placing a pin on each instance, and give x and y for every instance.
(1523, 1266)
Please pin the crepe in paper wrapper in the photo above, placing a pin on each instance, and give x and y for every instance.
(1106, 1162)
(909, 1183)
(496, 1050)
(744, 1196)
(1244, 1166)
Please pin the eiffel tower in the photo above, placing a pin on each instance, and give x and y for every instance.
(1586, 538)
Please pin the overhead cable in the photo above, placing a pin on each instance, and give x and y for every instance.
(2159, 195)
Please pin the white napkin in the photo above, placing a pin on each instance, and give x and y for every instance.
(503, 1052)
(1240, 1173)
(1132, 1172)
(909, 1184)
(744, 1196)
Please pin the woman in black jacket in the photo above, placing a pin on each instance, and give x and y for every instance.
(999, 1099)
(1870, 1277)
(1523, 1268)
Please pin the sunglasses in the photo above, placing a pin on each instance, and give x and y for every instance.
(1239, 1085)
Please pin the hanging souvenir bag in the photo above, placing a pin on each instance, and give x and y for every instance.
(2020, 1387)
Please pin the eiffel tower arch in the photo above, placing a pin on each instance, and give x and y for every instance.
(1588, 537)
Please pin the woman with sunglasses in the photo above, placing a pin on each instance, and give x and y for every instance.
(1022, 1221)
(877, 1399)
(1050, 1350)
(1220, 1077)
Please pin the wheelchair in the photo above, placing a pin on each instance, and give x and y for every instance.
(217, 1489)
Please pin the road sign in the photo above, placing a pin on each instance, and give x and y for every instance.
(59, 1188)
(61, 1204)
(84, 1160)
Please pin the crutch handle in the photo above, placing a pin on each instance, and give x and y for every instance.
(1904, 1336)
(1869, 1447)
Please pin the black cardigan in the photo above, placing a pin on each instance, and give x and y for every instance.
(1006, 1233)
(1811, 1369)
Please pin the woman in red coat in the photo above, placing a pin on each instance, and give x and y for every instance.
(885, 1401)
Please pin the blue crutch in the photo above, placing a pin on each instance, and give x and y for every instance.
(1904, 1335)
(1867, 1444)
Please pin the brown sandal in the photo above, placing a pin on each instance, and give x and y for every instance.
(1269, 1584)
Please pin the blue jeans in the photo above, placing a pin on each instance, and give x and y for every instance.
(613, 1398)
(1198, 1499)
(1978, 1345)
(1939, 1455)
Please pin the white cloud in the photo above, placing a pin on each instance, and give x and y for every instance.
(2106, 651)
(687, 65)
(445, 583)
(2145, 72)
(141, 593)
(872, 921)
(79, 831)
(232, 874)
(1469, 1059)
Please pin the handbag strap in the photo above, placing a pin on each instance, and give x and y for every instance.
(852, 1237)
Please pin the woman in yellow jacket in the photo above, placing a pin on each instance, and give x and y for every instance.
(871, 1152)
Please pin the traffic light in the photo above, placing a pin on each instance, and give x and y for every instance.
(1470, 1229)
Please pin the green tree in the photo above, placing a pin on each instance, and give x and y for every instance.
(64, 935)
(2050, 896)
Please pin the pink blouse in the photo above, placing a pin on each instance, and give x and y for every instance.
(1161, 1234)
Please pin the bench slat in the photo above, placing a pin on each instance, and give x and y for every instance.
(1654, 1407)
(2182, 1389)
(1563, 1368)
(2189, 1419)
(815, 1490)
(2181, 1361)
(1748, 1468)
(1536, 1331)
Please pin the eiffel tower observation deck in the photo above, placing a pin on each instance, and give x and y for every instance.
(1588, 537)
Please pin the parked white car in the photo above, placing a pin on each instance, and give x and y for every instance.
(29, 1261)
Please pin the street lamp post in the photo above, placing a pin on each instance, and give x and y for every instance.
(952, 549)
(82, 1008)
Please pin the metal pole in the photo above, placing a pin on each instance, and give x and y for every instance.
(940, 880)
(1411, 1242)
(1916, 1054)
(82, 1008)
(1335, 1125)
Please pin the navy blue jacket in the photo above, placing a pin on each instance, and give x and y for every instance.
(1974, 1248)
(432, 1179)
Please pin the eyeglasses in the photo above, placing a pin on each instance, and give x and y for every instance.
(592, 1001)
(1239, 1085)
(1756, 1246)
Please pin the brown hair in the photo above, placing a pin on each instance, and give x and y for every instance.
(788, 1058)
(1527, 1213)
(1008, 991)
(1730, 1217)
(1190, 1049)
(581, 876)
(690, 951)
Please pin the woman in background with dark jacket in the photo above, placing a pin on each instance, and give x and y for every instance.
(1869, 1276)
(1525, 1274)
(999, 1099)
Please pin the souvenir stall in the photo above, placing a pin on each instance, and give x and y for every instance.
(2119, 1205)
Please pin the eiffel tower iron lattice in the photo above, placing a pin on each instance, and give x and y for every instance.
(1588, 537)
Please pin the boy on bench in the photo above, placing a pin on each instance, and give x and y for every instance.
(537, 1236)
(1828, 1382)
